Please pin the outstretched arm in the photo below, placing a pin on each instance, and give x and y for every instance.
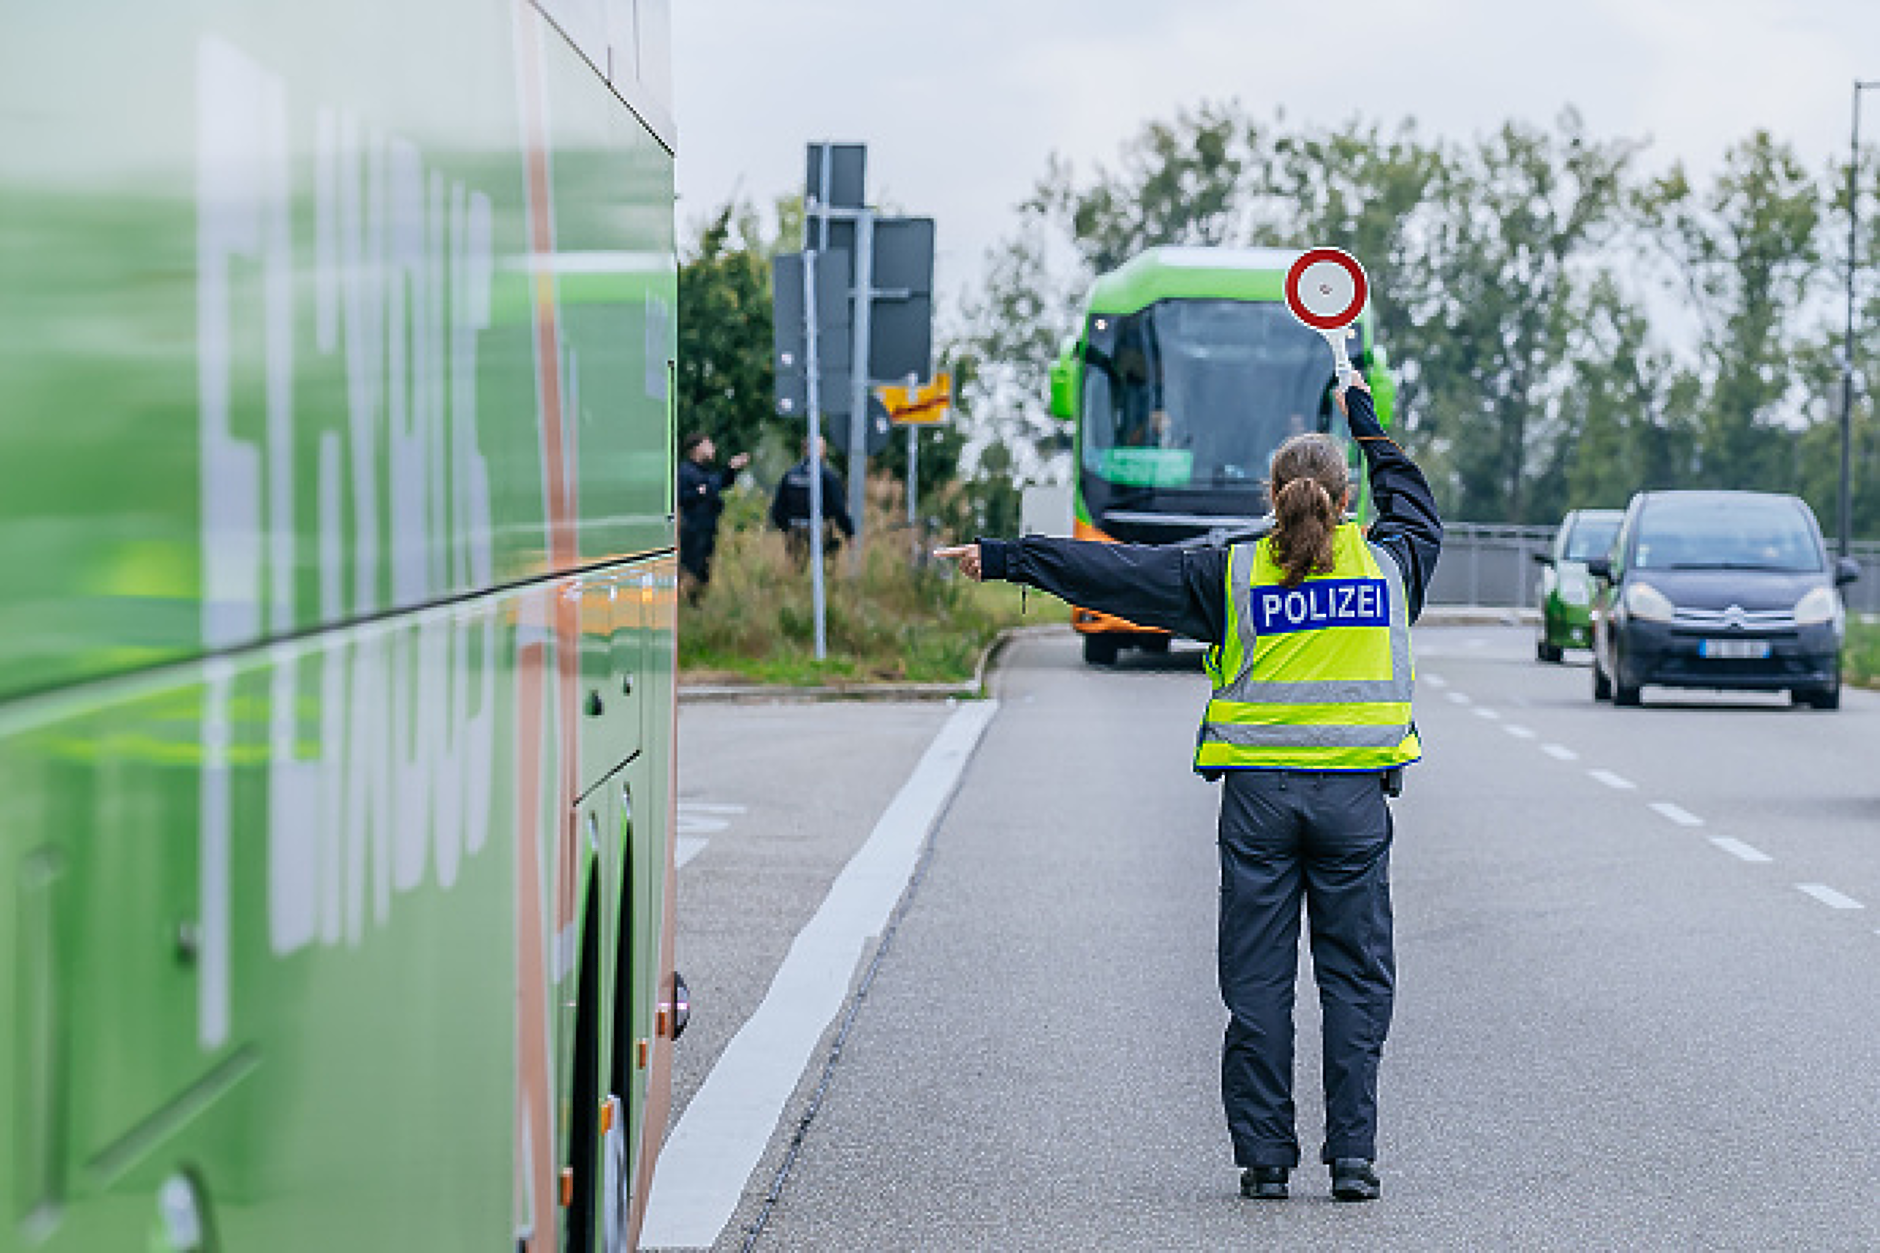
(1175, 589)
(1407, 525)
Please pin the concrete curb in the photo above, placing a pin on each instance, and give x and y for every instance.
(783, 693)
(1476, 615)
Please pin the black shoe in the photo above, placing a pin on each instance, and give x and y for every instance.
(1264, 1183)
(1353, 1180)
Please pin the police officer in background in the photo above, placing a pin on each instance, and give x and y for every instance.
(789, 508)
(1309, 726)
(701, 491)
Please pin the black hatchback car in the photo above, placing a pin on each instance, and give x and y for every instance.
(1726, 590)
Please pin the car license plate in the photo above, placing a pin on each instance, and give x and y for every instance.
(1733, 649)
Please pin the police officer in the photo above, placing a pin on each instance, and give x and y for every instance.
(701, 491)
(1309, 726)
(789, 508)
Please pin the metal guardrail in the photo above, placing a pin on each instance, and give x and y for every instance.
(1493, 566)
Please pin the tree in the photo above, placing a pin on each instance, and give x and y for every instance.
(1182, 182)
(1744, 255)
(1519, 215)
(726, 382)
(1366, 192)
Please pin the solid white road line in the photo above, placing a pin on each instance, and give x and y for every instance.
(1517, 730)
(1483, 711)
(718, 1143)
(1617, 783)
(1560, 752)
(1683, 817)
(1736, 848)
(1829, 897)
(1460, 698)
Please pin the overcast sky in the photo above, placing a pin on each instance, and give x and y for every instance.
(961, 103)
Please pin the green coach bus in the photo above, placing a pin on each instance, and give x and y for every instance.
(1185, 375)
(336, 626)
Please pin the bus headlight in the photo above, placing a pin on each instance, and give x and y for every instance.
(1647, 603)
(1820, 605)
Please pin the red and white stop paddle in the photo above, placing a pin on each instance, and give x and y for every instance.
(1326, 289)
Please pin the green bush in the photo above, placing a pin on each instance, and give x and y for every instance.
(1860, 654)
(892, 615)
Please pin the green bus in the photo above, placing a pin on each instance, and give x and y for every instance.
(1186, 373)
(336, 636)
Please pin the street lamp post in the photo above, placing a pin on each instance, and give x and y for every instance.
(1846, 510)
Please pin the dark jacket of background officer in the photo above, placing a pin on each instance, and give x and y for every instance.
(701, 501)
(789, 509)
(1286, 835)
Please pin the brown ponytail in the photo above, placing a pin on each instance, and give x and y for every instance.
(1308, 484)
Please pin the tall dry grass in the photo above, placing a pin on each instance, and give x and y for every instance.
(889, 615)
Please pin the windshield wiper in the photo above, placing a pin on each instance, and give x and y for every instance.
(1732, 565)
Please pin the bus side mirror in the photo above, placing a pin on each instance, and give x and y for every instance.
(1064, 388)
(1383, 387)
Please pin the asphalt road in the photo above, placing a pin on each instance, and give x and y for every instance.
(1639, 973)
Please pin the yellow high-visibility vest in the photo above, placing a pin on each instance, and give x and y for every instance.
(1317, 676)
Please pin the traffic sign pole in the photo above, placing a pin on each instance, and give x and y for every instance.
(815, 450)
(864, 296)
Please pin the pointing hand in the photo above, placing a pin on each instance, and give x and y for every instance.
(968, 557)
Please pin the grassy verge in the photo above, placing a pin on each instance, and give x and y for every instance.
(1860, 655)
(887, 619)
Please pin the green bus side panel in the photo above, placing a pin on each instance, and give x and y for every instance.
(318, 322)
(272, 313)
(266, 929)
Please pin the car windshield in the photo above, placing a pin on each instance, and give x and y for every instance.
(1199, 393)
(1590, 538)
(1726, 533)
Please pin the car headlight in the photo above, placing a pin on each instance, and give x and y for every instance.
(1820, 605)
(1646, 602)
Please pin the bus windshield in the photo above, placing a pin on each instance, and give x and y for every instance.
(1198, 393)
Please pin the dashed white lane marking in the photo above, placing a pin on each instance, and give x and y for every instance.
(1460, 698)
(1517, 730)
(1560, 752)
(1829, 897)
(1738, 849)
(1683, 817)
(1435, 680)
(1483, 711)
(1618, 783)
(686, 848)
(714, 1148)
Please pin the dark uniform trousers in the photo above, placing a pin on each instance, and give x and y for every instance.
(1323, 836)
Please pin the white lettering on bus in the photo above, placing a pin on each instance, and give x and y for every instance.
(389, 782)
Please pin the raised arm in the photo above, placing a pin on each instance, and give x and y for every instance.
(1407, 525)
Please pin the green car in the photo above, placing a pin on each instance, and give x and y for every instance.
(1566, 592)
